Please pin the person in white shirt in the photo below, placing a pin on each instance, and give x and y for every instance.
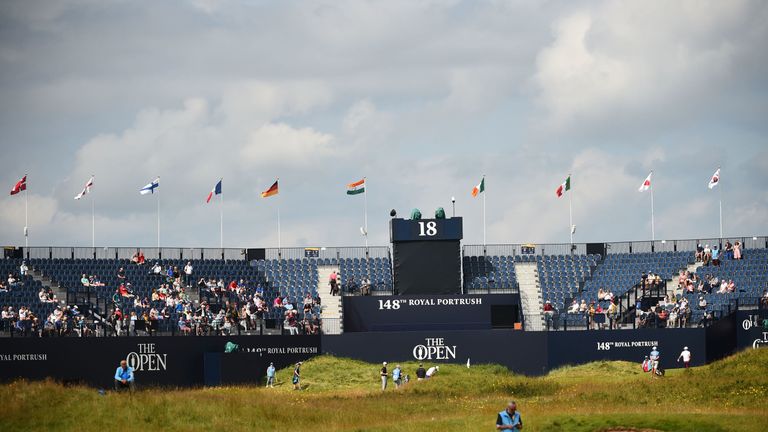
(23, 270)
(574, 307)
(157, 269)
(432, 371)
(686, 356)
(188, 273)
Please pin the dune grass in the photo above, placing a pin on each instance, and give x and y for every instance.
(342, 394)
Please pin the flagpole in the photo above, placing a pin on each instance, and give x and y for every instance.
(158, 219)
(93, 223)
(221, 219)
(484, 193)
(570, 212)
(653, 229)
(279, 243)
(26, 217)
(721, 203)
(365, 224)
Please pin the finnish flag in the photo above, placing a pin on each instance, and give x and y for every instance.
(150, 188)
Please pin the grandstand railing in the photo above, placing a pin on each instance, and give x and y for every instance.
(748, 242)
(178, 253)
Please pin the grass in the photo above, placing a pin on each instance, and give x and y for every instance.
(342, 394)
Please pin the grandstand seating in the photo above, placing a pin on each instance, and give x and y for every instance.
(561, 276)
(25, 293)
(489, 272)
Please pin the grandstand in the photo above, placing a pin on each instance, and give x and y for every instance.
(555, 273)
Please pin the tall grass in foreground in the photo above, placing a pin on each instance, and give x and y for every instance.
(342, 394)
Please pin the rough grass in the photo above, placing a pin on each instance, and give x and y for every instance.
(342, 394)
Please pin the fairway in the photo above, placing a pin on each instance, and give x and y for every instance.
(343, 395)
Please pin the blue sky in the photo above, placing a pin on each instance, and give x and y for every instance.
(421, 97)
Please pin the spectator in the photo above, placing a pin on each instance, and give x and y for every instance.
(156, 269)
(12, 281)
(702, 303)
(583, 306)
(3, 287)
(271, 375)
(397, 376)
(737, 250)
(23, 269)
(715, 256)
(686, 356)
(365, 288)
(351, 286)
(121, 274)
(655, 357)
(334, 283)
(728, 253)
(764, 298)
(574, 308)
(383, 374)
(297, 377)
(699, 253)
(124, 378)
(432, 371)
(188, 269)
(549, 312)
(706, 255)
(509, 419)
(613, 315)
(421, 373)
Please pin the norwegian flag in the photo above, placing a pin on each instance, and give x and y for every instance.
(715, 179)
(646, 183)
(21, 185)
(86, 189)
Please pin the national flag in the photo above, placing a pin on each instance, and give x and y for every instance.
(715, 179)
(480, 188)
(646, 183)
(21, 185)
(271, 191)
(150, 188)
(356, 188)
(216, 190)
(564, 187)
(86, 189)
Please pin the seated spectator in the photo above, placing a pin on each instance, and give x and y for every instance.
(699, 253)
(124, 290)
(124, 378)
(702, 303)
(764, 298)
(574, 308)
(156, 269)
(365, 288)
(121, 274)
(351, 285)
(278, 303)
(138, 258)
(184, 325)
(583, 306)
(12, 281)
(672, 319)
(85, 280)
(3, 287)
(290, 323)
(731, 287)
(549, 310)
(232, 286)
(23, 269)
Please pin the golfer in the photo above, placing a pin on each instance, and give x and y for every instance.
(297, 377)
(509, 419)
(686, 356)
(271, 375)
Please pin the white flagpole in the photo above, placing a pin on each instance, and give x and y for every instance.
(221, 217)
(26, 216)
(158, 219)
(570, 212)
(653, 229)
(279, 243)
(484, 193)
(719, 186)
(365, 220)
(93, 223)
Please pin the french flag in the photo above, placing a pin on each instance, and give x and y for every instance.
(216, 190)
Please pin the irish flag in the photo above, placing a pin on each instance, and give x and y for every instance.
(480, 188)
(271, 191)
(563, 188)
(356, 188)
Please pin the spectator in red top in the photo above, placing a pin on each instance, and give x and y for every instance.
(233, 285)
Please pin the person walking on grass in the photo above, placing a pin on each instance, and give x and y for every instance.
(509, 419)
(655, 356)
(686, 356)
(297, 377)
(271, 375)
(397, 376)
(383, 374)
(421, 373)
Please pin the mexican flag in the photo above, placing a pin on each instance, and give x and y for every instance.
(480, 188)
(356, 188)
(563, 188)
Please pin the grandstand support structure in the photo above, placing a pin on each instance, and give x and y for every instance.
(530, 295)
(330, 310)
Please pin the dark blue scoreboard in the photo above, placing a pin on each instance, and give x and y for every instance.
(427, 255)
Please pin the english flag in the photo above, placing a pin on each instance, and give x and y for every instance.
(21, 185)
(86, 189)
(715, 179)
(216, 191)
(646, 184)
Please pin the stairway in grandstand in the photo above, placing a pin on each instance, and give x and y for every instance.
(530, 295)
(330, 310)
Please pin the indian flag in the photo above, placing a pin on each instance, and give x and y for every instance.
(480, 188)
(356, 188)
(564, 187)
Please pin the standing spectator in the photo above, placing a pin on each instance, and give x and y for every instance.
(124, 377)
(509, 419)
(384, 375)
(549, 312)
(334, 283)
(421, 373)
(737, 250)
(271, 375)
(397, 377)
(188, 274)
(432, 371)
(23, 269)
(699, 253)
(715, 256)
(686, 356)
(655, 357)
(365, 288)
(728, 250)
(706, 255)
(297, 377)
(121, 274)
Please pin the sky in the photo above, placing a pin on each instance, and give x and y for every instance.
(423, 98)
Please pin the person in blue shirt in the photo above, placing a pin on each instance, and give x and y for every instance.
(655, 357)
(124, 377)
(397, 376)
(509, 419)
(271, 375)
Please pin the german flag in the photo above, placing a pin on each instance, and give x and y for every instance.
(271, 191)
